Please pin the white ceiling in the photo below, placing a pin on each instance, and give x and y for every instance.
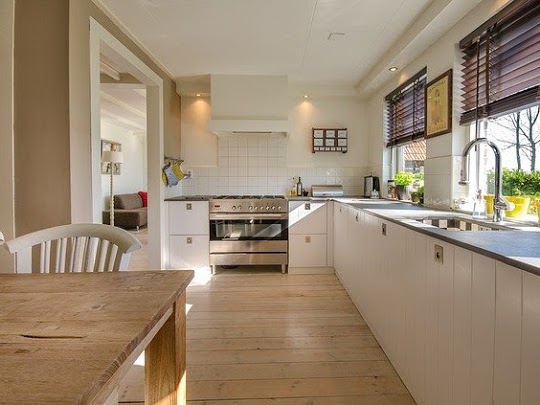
(124, 106)
(275, 37)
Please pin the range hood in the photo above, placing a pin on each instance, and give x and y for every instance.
(248, 104)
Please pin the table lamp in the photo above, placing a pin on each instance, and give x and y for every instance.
(111, 157)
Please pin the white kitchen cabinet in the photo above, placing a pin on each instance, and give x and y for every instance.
(461, 368)
(310, 249)
(462, 331)
(340, 237)
(307, 250)
(482, 329)
(188, 251)
(440, 304)
(189, 239)
(188, 218)
(508, 301)
(530, 340)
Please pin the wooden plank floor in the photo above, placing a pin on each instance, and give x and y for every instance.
(266, 338)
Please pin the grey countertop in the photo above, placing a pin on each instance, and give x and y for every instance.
(519, 248)
(190, 198)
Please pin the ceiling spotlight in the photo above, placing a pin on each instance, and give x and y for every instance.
(198, 94)
(334, 36)
(392, 68)
(306, 96)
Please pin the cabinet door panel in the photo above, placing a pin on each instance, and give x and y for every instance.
(307, 218)
(188, 251)
(530, 350)
(307, 250)
(188, 218)
(462, 331)
(482, 330)
(439, 354)
(507, 371)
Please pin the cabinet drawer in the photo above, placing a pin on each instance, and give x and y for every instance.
(307, 251)
(188, 218)
(188, 251)
(307, 218)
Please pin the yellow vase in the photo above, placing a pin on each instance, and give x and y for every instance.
(522, 206)
(489, 203)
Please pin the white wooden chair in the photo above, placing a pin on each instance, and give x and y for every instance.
(74, 248)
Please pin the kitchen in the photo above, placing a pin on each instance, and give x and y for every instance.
(265, 164)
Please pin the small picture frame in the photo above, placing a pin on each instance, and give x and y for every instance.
(330, 133)
(342, 133)
(318, 141)
(107, 145)
(342, 142)
(438, 105)
(330, 142)
(318, 133)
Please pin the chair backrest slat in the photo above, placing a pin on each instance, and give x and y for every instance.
(75, 248)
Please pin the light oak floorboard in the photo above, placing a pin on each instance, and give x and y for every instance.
(258, 338)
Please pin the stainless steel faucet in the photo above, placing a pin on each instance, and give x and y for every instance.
(499, 203)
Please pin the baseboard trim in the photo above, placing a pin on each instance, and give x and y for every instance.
(311, 270)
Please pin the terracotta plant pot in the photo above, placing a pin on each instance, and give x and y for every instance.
(403, 192)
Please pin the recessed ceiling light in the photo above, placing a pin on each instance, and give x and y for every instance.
(334, 36)
(392, 68)
(198, 94)
(306, 96)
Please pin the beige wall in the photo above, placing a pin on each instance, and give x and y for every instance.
(81, 176)
(7, 196)
(42, 183)
(53, 168)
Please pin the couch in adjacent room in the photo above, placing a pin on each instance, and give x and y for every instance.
(129, 211)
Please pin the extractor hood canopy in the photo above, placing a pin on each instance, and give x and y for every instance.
(249, 104)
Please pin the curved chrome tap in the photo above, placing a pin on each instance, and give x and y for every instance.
(499, 203)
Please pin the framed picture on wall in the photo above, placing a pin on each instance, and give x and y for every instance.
(438, 103)
(110, 146)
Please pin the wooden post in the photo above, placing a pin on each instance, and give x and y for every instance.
(165, 360)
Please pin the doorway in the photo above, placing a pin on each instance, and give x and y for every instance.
(104, 46)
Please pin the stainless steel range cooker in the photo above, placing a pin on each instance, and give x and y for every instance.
(248, 230)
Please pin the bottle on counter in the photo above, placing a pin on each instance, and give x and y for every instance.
(292, 192)
(299, 187)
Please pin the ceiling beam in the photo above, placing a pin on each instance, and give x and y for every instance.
(122, 104)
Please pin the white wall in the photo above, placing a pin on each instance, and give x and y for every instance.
(443, 152)
(265, 164)
(133, 174)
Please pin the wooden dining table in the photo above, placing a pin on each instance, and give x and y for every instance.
(70, 338)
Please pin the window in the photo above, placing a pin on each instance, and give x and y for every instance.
(501, 87)
(405, 111)
(405, 119)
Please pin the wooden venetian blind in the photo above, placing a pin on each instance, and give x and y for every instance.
(405, 111)
(501, 62)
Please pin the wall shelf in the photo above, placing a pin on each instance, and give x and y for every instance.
(330, 140)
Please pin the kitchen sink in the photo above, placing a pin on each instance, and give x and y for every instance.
(461, 224)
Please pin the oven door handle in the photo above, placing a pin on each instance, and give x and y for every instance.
(247, 216)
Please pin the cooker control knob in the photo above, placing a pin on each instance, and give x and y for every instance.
(233, 207)
(256, 207)
(251, 207)
(279, 207)
(273, 207)
(267, 207)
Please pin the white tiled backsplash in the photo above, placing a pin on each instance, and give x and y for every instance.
(257, 164)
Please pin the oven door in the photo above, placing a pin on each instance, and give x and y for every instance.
(249, 229)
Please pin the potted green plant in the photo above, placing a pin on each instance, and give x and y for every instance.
(403, 184)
